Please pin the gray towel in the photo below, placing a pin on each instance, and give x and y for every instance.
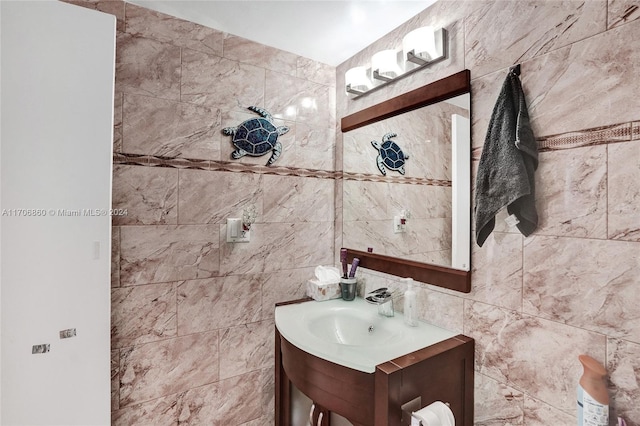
(509, 159)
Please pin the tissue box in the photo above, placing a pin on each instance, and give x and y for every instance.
(323, 291)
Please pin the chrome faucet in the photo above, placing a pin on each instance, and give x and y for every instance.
(384, 299)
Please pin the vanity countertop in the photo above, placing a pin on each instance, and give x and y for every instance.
(352, 333)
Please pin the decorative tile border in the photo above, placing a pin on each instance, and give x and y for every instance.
(227, 166)
(588, 137)
(476, 153)
(179, 163)
(395, 179)
(220, 166)
(130, 159)
(625, 132)
(614, 133)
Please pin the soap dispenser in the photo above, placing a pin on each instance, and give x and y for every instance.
(410, 313)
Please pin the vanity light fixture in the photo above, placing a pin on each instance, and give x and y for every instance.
(420, 48)
(357, 80)
(384, 65)
(424, 45)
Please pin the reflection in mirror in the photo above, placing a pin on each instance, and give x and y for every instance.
(410, 216)
(415, 220)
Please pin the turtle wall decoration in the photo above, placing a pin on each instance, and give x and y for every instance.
(390, 155)
(256, 136)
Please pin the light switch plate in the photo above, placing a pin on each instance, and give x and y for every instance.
(235, 233)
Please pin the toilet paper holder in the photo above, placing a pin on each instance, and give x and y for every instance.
(410, 407)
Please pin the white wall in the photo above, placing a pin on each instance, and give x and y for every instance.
(56, 141)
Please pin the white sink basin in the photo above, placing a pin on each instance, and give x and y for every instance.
(351, 325)
(352, 333)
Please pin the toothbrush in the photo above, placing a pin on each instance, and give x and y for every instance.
(343, 260)
(354, 266)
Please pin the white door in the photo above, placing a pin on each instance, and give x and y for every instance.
(57, 81)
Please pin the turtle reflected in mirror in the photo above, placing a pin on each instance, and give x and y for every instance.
(256, 136)
(390, 155)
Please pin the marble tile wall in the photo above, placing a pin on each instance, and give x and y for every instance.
(192, 316)
(572, 287)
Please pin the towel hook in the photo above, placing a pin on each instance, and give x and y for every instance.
(515, 69)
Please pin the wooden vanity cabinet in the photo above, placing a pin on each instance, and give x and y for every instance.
(444, 371)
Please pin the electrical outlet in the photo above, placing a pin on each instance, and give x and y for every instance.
(236, 232)
(399, 225)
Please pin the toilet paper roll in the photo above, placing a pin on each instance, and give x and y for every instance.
(436, 414)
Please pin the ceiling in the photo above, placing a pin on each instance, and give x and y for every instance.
(328, 31)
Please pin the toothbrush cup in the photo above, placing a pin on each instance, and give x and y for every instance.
(348, 288)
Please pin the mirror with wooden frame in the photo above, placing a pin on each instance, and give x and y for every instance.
(411, 217)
